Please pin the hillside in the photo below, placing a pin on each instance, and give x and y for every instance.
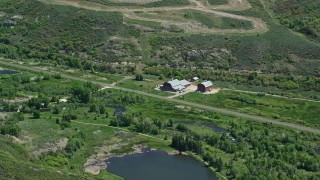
(15, 164)
(34, 30)
(301, 16)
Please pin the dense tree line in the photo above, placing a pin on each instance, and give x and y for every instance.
(262, 151)
(125, 98)
(186, 143)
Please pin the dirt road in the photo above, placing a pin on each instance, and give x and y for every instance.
(259, 26)
(200, 106)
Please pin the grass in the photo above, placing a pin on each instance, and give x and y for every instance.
(160, 3)
(270, 90)
(14, 164)
(212, 21)
(143, 23)
(269, 52)
(218, 2)
(194, 16)
(147, 85)
(42, 130)
(295, 111)
(123, 149)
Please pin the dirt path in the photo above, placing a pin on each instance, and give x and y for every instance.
(259, 26)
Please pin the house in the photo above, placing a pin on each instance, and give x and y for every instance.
(176, 85)
(206, 86)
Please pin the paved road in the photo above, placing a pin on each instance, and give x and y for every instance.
(219, 110)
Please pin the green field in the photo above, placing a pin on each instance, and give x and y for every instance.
(296, 111)
(147, 85)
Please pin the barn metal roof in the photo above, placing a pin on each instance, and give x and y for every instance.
(178, 85)
(207, 84)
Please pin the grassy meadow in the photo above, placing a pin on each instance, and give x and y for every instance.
(295, 111)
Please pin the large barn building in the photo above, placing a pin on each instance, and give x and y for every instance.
(176, 85)
(206, 86)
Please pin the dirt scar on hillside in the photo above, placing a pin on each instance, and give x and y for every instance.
(259, 26)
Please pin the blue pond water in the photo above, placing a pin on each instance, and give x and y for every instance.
(8, 72)
(158, 165)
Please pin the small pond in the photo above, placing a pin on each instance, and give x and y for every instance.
(214, 127)
(158, 165)
(119, 111)
(5, 71)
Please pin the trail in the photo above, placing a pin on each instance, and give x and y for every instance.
(200, 106)
(259, 26)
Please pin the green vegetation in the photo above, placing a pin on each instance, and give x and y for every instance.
(150, 4)
(300, 16)
(296, 111)
(275, 83)
(218, 2)
(15, 164)
(151, 116)
(212, 21)
(144, 23)
(49, 33)
(62, 123)
(267, 52)
(147, 85)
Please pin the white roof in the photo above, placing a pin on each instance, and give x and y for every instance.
(184, 82)
(195, 78)
(178, 85)
(174, 82)
(207, 84)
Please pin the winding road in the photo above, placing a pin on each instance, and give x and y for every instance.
(193, 27)
(200, 106)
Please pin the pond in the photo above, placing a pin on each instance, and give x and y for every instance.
(5, 71)
(158, 165)
(119, 111)
(214, 127)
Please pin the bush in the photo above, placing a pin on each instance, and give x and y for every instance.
(182, 128)
(36, 114)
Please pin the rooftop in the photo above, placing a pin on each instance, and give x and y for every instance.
(178, 85)
(207, 84)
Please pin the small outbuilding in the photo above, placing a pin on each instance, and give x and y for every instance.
(206, 86)
(194, 79)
